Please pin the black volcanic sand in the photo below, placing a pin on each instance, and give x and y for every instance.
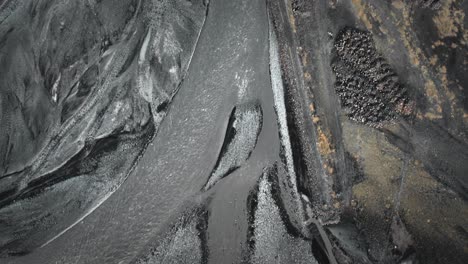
(161, 212)
(83, 92)
(220, 131)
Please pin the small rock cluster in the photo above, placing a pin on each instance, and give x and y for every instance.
(367, 86)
